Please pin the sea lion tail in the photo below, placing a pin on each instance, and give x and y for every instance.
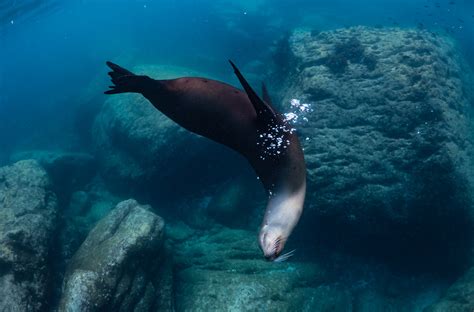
(124, 80)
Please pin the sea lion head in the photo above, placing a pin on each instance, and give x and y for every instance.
(281, 216)
(272, 240)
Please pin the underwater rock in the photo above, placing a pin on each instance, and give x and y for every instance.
(222, 270)
(120, 265)
(386, 142)
(68, 171)
(27, 225)
(144, 153)
(459, 297)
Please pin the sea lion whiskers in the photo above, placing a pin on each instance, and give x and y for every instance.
(284, 256)
(276, 244)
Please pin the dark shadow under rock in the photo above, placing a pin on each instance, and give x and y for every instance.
(27, 225)
(120, 265)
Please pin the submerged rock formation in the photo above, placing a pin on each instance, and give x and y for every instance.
(27, 224)
(386, 141)
(120, 265)
(143, 151)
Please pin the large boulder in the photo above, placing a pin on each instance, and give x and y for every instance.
(386, 141)
(121, 265)
(143, 152)
(27, 226)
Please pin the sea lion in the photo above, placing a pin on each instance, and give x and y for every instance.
(245, 123)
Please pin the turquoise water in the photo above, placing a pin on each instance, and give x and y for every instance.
(51, 49)
(380, 94)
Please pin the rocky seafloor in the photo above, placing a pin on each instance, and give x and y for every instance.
(387, 223)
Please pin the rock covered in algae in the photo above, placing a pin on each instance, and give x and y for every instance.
(27, 225)
(120, 264)
(386, 138)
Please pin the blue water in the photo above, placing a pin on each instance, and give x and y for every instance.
(53, 74)
(52, 50)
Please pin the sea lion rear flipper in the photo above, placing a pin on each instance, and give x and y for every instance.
(264, 110)
(124, 80)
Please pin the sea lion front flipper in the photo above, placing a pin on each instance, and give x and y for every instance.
(264, 110)
(118, 69)
(266, 95)
(125, 81)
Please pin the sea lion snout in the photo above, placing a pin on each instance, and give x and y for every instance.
(271, 242)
